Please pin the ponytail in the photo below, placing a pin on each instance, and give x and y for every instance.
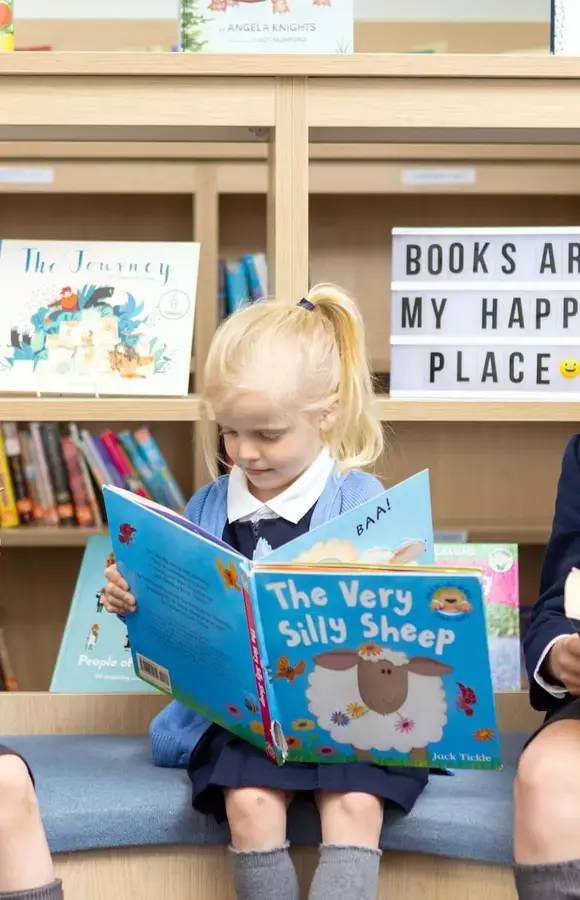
(310, 355)
(357, 439)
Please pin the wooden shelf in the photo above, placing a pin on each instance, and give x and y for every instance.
(45, 536)
(91, 409)
(477, 411)
(500, 532)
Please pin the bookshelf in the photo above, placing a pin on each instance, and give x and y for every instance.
(303, 158)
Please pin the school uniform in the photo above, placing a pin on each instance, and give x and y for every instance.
(218, 758)
(548, 620)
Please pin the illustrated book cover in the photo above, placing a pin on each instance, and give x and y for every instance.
(499, 566)
(97, 318)
(333, 647)
(95, 655)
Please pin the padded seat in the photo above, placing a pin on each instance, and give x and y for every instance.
(103, 792)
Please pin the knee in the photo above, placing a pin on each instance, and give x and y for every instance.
(351, 818)
(546, 784)
(257, 817)
(17, 795)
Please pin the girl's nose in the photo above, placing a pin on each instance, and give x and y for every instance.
(248, 451)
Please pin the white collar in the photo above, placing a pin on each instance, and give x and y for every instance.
(292, 504)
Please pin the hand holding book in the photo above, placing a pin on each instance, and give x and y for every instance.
(117, 597)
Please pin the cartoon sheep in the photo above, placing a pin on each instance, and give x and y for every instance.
(374, 698)
(345, 551)
(278, 6)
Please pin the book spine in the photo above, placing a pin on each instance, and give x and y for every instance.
(9, 678)
(257, 289)
(76, 480)
(150, 449)
(113, 476)
(88, 481)
(58, 474)
(31, 475)
(8, 510)
(12, 449)
(275, 745)
(119, 457)
(43, 475)
(151, 480)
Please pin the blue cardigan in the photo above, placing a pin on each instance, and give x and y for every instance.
(177, 729)
(548, 619)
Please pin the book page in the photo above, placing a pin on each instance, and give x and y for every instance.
(189, 636)
(384, 666)
(395, 528)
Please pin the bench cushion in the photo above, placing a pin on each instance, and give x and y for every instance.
(103, 792)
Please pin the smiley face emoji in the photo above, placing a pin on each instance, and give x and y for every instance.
(451, 601)
(570, 368)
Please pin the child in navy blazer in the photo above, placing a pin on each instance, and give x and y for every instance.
(291, 390)
(547, 790)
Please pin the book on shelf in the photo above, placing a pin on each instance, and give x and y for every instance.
(54, 474)
(332, 647)
(8, 680)
(94, 655)
(500, 574)
(97, 317)
(240, 282)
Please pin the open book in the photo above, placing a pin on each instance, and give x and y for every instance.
(325, 649)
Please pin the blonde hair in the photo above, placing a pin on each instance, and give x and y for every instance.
(324, 338)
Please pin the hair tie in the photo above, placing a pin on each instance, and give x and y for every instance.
(306, 304)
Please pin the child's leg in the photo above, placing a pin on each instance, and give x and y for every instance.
(262, 865)
(547, 815)
(349, 856)
(26, 870)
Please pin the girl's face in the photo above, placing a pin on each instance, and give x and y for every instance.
(273, 447)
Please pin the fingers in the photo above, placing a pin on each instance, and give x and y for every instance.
(116, 600)
(113, 575)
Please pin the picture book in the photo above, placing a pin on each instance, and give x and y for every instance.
(95, 655)
(266, 26)
(97, 318)
(499, 566)
(339, 646)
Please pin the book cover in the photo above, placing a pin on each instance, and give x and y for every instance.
(98, 317)
(244, 643)
(6, 25)
(267, 26)
(94, 655)
(499, 566)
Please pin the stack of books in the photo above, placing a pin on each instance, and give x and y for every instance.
(53, 474)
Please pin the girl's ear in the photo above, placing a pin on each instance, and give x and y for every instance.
(329, 418)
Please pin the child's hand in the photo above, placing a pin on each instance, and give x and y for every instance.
(563, 662)
(116, 598)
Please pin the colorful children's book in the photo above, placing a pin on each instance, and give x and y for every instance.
(107, 318)
(499, 565)
(95, 655)
(326, 649)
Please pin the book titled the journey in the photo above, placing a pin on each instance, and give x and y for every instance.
(96, 318)
(335, 647)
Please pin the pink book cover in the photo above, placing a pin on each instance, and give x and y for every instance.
(500, 572)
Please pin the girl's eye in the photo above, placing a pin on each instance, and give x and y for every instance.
(270, 437)
(224, 433)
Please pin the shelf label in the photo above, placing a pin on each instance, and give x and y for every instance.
(25, 175)
(427, 177)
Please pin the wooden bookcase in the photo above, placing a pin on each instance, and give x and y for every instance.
(302, 157)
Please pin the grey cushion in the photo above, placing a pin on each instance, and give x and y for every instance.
(100, 792)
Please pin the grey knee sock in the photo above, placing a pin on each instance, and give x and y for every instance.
(48, 892)
(263, 874)
(348, 873)
(556, 881)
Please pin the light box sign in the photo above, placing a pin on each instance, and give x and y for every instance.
(488, 313)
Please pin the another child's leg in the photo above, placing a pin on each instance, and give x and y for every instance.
(547, 815)
(350, 855)
(26, 870)
(262, 865)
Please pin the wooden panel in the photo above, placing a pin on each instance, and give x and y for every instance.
(39, 713)
(108, 177)
(205, 873)
(14, 408)
(483, 476)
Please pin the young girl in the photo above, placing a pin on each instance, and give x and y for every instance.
(26, 871)
(291, 390)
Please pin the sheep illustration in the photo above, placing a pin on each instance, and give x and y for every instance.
(374, 698)
(278, 6)
(345, 551)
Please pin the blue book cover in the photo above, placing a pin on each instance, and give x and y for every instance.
(95, 655)
(334, 647)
